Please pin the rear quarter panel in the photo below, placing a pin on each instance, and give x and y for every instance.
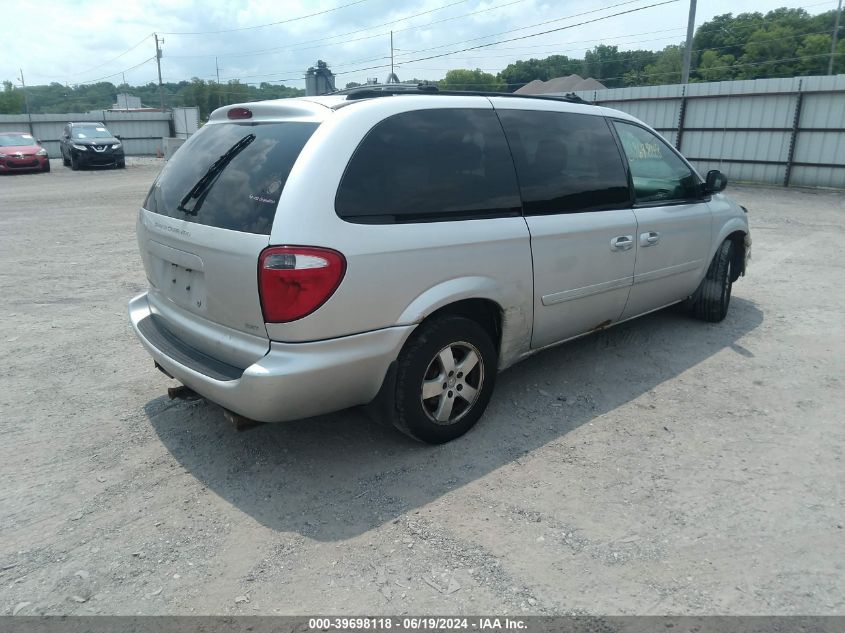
(398, 274)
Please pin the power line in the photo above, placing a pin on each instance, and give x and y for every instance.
(531, 26)
(520, 37)
(138, 65)
(261, 26)
(408, 53)
(409, 62)
(629, 54)
(564, 18)
(87, 70)
(627, 2)
(600, 39)
(557, 51)
(509, 55)
(299, 45)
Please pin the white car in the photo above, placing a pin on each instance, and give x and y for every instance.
(402, 245)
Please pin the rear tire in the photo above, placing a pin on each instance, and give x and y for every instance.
(711, 300)
(432, 363)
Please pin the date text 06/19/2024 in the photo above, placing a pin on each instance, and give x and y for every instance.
(416, 624)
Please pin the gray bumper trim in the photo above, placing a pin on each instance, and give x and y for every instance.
(158, 335)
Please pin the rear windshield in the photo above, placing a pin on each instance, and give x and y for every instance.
(230, 175)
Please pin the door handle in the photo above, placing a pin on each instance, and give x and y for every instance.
(649, 239)
(622, 243)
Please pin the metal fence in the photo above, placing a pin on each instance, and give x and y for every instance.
(140, 132)
(775, 131)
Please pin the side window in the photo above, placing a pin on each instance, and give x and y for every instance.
(658, 173)
(567, 163)
(429, 165)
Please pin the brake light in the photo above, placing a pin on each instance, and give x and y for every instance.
(239, 113)
(293, 281)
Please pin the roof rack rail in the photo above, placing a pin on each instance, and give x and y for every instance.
(385, 90)
(370, 91)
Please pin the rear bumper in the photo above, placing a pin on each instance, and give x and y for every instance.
(293, 381)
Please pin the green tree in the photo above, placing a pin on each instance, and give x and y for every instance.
(667, 67)
(839, 60)
(519, 73)
(463, 79)
(815, 51)
(715, 67)
(635, 63)
(727, 34)
(11, 99)
(606, 64)
(770, 52)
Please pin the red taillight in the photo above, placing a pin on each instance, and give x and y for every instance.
(239, 113)
(293, 281)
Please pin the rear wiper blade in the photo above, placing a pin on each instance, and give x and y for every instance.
(200, 190)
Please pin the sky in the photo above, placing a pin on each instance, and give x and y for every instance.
(81, 41)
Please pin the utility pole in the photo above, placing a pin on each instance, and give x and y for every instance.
(219, 96)
(688, 47)
(392, 78)
(158, 63)
(26, 103)
(835, 38)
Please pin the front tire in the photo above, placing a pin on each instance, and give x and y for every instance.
(444, 379)
(74, 163)
(711, 300)
(46, 166)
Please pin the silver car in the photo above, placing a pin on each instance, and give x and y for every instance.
(400, 246)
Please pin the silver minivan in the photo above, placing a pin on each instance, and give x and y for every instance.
(399, 246)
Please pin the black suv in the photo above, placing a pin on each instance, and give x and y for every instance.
(91, 144)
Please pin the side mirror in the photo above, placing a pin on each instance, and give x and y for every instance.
(715, 182)
(118, 137)
(39, 141)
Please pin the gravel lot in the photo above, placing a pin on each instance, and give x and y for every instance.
(662, 467)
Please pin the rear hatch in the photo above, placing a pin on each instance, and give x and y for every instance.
(204, 223)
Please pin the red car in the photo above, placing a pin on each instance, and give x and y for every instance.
(20, 151)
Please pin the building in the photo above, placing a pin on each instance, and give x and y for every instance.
(127, 102)
(319, 80)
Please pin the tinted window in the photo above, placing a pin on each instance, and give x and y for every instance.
(428, 165)
(658, 173)
(567, 163)
(244, 195)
